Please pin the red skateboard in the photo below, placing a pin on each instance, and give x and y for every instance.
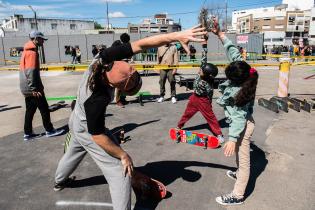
(195, 138)
(146, 187)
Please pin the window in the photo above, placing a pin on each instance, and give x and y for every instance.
(267, 19)
(33, 25)
(312, 36)
(54, 26)
(279, 26)
(266, 27)
(279, 18)
(313, 18)
(73, 26)
(291, 20)
(267, 40)
(277, 39)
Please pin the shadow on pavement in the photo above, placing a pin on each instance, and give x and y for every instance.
(258, 164)
(168, 171)
(5, 108)
(131, 126)
(91, 181)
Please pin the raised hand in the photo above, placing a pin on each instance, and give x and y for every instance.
(190, 35)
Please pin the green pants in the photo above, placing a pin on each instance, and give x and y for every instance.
(171, 79)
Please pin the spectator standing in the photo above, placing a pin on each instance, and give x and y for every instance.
(168, 55)
(33, 89)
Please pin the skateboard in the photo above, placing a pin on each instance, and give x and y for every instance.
(56, 106)
(195, 138)
(147, 188)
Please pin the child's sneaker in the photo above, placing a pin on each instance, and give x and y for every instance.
(221, 139)
(174, 101)
(229, 199)
(54, 132)
(61, 186)
(231, 174)
(160, 100)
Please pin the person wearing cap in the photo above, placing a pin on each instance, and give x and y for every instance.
(87, 122)
(201, 100)
(33, 89)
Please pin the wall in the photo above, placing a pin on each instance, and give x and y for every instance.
(55, 45)
(63, 26)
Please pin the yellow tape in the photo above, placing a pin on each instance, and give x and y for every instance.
(141, 67)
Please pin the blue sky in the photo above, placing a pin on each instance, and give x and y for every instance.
(123, 11)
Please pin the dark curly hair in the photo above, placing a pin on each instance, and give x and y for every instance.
(124, 38)
(238, 72)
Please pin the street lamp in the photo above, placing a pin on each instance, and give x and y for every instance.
(34, 16)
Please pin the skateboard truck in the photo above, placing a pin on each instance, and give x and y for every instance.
(177, 136)
(122, 136)
(205, 138)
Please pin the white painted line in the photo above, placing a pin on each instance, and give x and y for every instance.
(82, 203)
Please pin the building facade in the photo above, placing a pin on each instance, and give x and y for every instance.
(20, 25)
(281, 25)
(160, 24)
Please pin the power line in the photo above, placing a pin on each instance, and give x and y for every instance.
(174, 14)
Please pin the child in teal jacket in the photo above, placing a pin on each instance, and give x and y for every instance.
(238, 95)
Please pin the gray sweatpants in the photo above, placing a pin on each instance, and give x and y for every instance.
(82, 143)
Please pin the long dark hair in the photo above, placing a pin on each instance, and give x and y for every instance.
(239, 73)
(97, 77)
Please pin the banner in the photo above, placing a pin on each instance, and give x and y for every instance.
(242, 39)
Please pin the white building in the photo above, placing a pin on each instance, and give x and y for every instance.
(21, 26)
(312, 27)
(299, 4)
(280, 24)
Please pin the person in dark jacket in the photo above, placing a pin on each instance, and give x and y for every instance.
(33, 89)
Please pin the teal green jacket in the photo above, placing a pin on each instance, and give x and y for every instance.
(237, 116)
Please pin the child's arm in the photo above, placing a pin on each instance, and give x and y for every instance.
(238, 122)
(231, 51)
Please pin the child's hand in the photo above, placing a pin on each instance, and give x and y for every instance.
(229, 148)
(216, 27)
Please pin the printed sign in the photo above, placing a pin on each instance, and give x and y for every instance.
(242, 39)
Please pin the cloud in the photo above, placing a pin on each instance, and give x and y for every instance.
(116, 15)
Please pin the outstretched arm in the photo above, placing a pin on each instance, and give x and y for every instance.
(231, 50)
(184, 37)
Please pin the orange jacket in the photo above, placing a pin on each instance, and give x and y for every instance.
(29, 70)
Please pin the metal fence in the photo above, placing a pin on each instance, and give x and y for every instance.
(55, 47)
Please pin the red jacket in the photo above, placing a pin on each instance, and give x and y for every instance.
(29, 70)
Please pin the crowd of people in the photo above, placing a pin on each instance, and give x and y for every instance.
(294, 50)
(109, 70)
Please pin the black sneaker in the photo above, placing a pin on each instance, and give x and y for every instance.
(61, 186)
(229, 200)
(231, 174)
(28, 137)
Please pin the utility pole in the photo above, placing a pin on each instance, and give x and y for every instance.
(41, 48)
(107, 16)
(226, 6)
(35, 16)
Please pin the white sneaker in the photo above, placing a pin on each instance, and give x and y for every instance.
(221, 139)
(160, 100)
(174, 101)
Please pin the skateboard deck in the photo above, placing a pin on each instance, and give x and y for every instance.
(146, 187)
(195, 138)
(56, 106)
